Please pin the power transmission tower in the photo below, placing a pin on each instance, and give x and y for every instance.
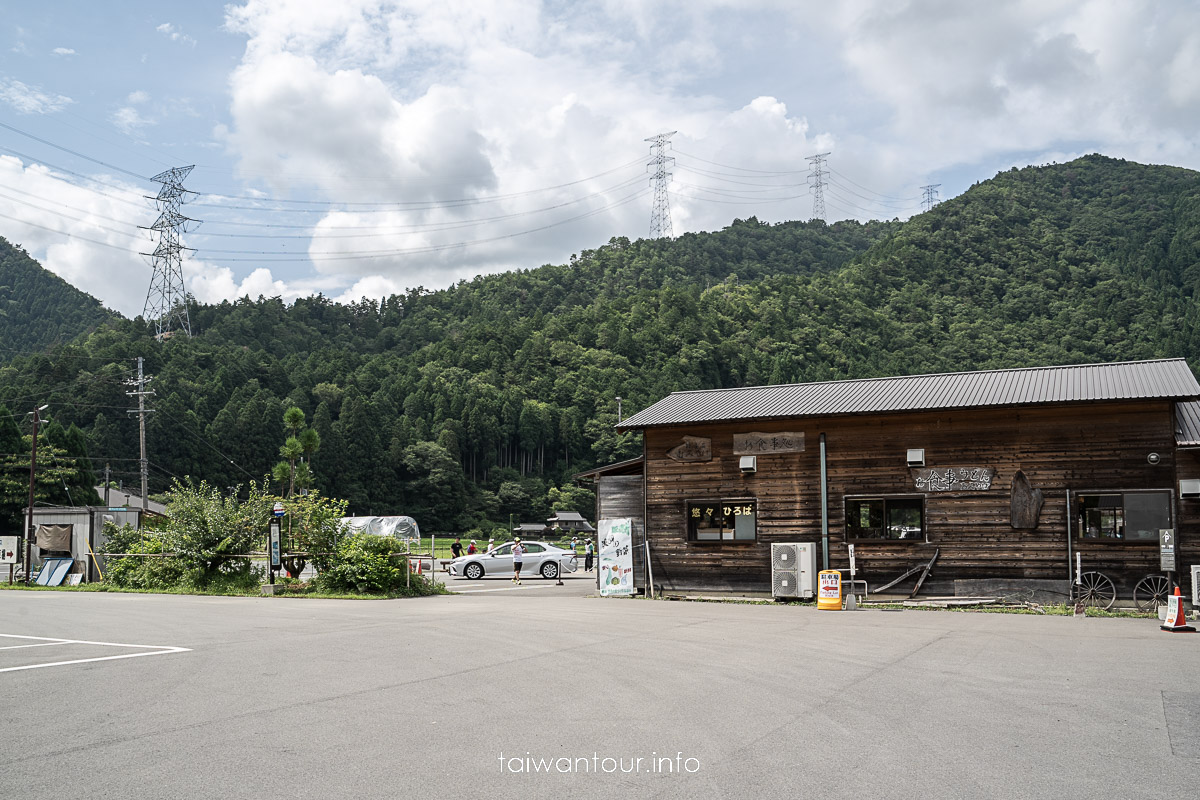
(166, 300)
(931, 196)
(141, 394)
(816, 179)
(660, 214)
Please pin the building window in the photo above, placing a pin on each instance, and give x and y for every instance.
(1123, 516)
(885, 518)
(722, 520)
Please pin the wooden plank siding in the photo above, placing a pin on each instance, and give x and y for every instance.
(1080, 447)
(1187, 519)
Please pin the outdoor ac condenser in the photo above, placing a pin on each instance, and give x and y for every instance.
(793, 569)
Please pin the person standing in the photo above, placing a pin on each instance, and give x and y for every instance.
(587, 557)
(456, 548)
(491, 545)
(471, 548)
(518, 552)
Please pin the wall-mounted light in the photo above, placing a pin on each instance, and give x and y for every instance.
(748, 463)
(1152, 458)
(916, 457)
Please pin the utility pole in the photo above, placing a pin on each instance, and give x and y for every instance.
(931, 195)
(660, 213)
(37, 419)
(106, 469)
(167, 300)
(816, 179)
(141, 393)
(618, 410)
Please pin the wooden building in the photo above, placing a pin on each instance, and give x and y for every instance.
(1008, 475)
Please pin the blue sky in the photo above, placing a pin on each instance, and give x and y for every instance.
(364, 147)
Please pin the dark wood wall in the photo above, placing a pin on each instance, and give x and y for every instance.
(1082, 448)
(1187, 520)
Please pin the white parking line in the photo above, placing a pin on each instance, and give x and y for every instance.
(152, 650)
(504, 589)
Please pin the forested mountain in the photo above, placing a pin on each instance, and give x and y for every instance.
(466, 405)
(39, 309)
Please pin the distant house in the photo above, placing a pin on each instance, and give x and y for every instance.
(530, 529)
(570, 521)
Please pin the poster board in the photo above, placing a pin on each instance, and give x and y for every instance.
(616, 556)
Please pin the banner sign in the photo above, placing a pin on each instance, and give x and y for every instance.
(616, 556)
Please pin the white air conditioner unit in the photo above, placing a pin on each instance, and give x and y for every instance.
(1189, 488)
(793, 569)
(916, 457)
(748, 463)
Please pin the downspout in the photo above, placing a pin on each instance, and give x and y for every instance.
(824, 510)
(1070, 512)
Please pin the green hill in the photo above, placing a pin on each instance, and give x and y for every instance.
(466, 405)
(38, 309)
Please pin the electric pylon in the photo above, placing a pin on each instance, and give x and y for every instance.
(931, 196)
(816, 179)
(660, 214)
(166, 300)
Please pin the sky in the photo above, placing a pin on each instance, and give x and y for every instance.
(364, 148)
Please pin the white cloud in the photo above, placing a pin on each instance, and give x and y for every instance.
(138, 98)
(86, 236)
(129, 120)
(30, 99)
(172, 32)
(63, 51)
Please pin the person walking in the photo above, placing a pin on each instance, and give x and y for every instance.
(456, 548)
(491, 545)
(587, 557)
(471, 548)
(518, 552)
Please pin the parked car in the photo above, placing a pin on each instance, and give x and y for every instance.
(540, 559)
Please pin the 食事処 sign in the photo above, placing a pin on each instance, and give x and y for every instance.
(954, 479)
(754, 443)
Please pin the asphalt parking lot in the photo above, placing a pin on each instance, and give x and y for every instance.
(532, 693)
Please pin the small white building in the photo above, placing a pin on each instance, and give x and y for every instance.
(86, 529)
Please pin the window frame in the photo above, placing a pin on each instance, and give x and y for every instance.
(720, 501)
(1079, 522)
(848, 498)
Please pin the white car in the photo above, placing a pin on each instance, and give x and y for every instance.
(540, 559)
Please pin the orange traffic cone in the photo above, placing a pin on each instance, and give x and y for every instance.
(1176, 621)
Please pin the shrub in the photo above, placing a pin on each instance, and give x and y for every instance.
(366, 564)
(137, 571)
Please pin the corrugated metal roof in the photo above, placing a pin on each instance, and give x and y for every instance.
(1130, 380)
(1187, 424)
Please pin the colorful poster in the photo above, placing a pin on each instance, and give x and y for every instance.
(616, 556)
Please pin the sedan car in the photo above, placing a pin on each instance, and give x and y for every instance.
(540, 559)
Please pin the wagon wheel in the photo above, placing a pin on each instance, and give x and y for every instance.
(1151, 592)
(1096, 590)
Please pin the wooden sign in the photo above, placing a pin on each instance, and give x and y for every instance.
(954, 479)
(694, 448)
(752, 444)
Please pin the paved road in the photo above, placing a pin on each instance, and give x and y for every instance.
(283, 697)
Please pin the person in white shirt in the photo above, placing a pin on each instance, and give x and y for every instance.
(518, 552)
